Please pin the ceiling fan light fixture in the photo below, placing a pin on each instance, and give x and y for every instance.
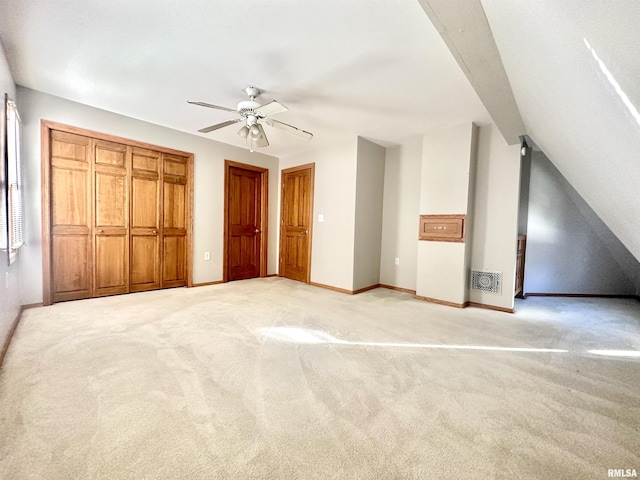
(255, 131)
(244, 132)
(261, 140)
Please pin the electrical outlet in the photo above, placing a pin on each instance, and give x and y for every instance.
(320, 218)
(397, 262)
(207, 255)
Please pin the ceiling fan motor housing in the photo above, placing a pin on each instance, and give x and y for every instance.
(248, 107)
(251, 91)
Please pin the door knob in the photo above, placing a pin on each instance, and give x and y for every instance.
(99, 230)
(154, 232)
(306, 232)
(257, 231)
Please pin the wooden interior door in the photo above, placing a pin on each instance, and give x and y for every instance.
(296, 220)
(144, 270)
(174, 220)
(70, 216)
(111, 217)
(245, 221)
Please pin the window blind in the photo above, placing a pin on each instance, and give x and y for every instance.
(4, 225)
(15, 187)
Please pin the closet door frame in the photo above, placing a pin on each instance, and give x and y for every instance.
(46, 127)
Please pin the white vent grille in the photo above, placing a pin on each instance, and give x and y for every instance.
(486, 281)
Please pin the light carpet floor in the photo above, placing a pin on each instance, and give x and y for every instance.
(275, 379)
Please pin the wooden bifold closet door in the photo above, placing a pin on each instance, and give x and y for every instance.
(115, 216)
(111, 218)
(145, 220)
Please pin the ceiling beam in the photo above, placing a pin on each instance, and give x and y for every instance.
(463, 26)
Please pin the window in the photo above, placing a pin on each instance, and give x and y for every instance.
(12, 237)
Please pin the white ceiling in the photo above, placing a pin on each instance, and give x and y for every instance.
(375, 68)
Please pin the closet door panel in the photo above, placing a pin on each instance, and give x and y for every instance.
(111, 218)
(176, 166)
(70, 266)
(174, 271)
(144, 262)
(174, 206)
(110, 154)
(144, 206)
(70, 193)
(68, 146)
(145, 220)
(70, 218)
(174, 220)
(110, 267)
(145, 161)
(111, 195)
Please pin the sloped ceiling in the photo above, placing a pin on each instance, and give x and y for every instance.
(574, 69)
(374, 68)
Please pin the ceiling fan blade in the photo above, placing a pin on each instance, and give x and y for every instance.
(218, 125)
(289, 128)
(262, 141)
(217, 107)
(271, 108)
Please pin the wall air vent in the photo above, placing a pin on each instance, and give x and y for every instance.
(486, 281)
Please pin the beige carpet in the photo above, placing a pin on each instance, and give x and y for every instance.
(274, 379)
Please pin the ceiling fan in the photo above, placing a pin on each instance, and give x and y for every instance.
(250, 113)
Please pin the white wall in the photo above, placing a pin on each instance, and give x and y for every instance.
(455, 170)
(445, 189)
(569, 248)
(495, 214)
(368, 214)
(400, 226)
(208, 180)
(335, 198)
(9, 275)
